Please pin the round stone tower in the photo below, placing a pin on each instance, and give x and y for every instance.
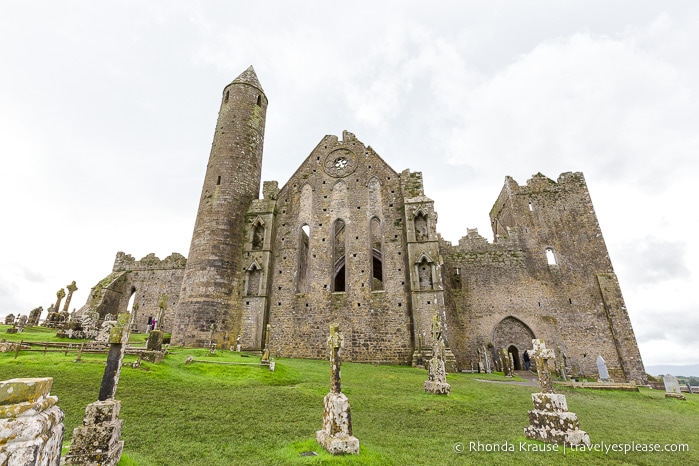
(205, 311)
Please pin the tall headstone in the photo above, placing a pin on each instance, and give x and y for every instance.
(34, 316)
(98, 440)
(336, 434)
(155, 337)
(602, 369)
(672, 387)
(72, 288)
(437, 377)
(31, 425)
(550, 421)
(265, 352)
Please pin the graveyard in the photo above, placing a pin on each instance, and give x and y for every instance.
(226, 408)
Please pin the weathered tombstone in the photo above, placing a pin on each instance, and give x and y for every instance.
(9, 319)
(238, 346)
(47, 321)
(508, 368)
(602, 369)
(672, 387)
(22, 321)
(488, 369)
(31, 425)
(60, 294)
(437, 378)
(97, 441)
(71, 289)
(265, 353)
(336, 434)
(550, 421)
(34, 316)
(105, 331)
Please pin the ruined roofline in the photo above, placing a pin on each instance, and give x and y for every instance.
(334, 140)
(126, 262)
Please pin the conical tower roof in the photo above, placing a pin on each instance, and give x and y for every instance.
(249, 77)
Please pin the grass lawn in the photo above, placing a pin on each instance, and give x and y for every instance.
(211, 414)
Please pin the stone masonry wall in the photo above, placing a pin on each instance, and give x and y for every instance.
(349, 181)
(561, 303)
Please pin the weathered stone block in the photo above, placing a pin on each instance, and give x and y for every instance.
(28, 389)
(439, 388)
(336, 434)
(549, 402)
(31, 430)
(102, 411)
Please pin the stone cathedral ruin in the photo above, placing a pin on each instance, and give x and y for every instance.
(350, 240)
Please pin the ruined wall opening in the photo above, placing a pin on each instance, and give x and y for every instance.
(421, 227)
(514, 352)
(303, 261)
(132, 298)
(339, 269)
(514, 335)
(376, 254)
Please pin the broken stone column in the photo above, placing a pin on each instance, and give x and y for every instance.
(31, 425)
(336, 434)
(98, 440)
(437, 378)
(550, 421)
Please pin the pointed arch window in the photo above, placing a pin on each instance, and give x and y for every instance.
(376, 254)
(253, 280)
(303, 262)
(339, 268)
(421, 226)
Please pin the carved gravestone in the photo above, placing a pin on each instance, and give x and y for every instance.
(602, 369)
(437, 377)
(155, 337)
(22, 321)
(31, 425)
(72, 288)
(672, 387)
(34, 316)
(550, 421)
(98, 440)
(336, 434)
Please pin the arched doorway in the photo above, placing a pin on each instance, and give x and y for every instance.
(515, 357)
(514, 335)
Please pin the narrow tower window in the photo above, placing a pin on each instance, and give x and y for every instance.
(376, 255)
(218, 180)
(225, 98)
(259, 101)
(304, 251)
(550, 257)
(338, 279)
(530, 206)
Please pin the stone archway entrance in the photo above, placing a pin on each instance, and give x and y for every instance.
(514, 335)
(515, 356)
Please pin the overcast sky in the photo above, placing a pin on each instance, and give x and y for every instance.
(107, 112)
